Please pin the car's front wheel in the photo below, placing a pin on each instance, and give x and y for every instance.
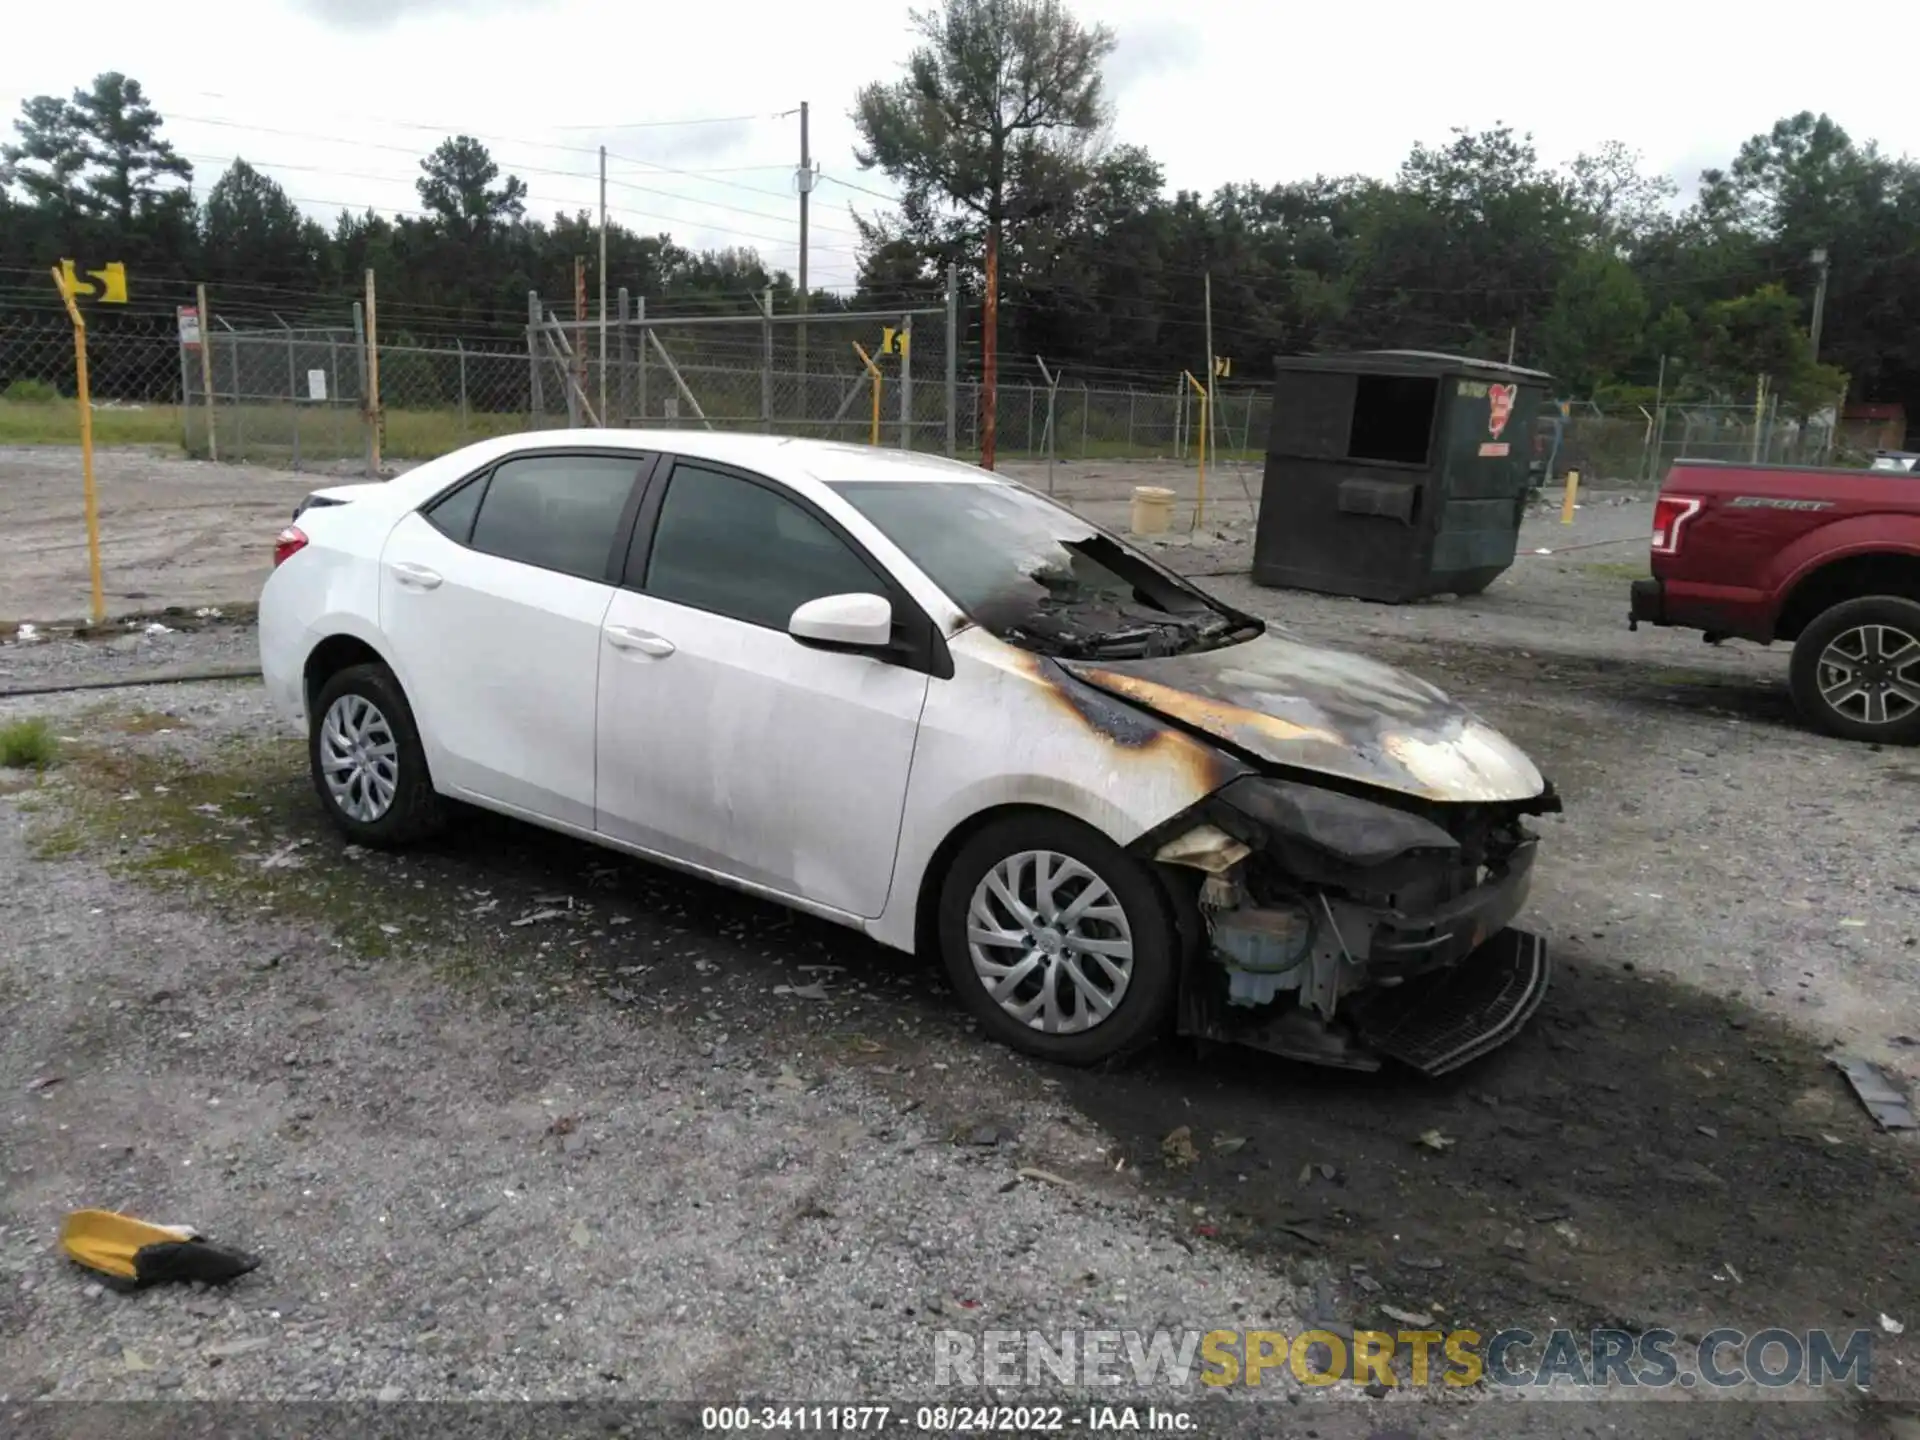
(1856, 670)
(1060, 943)
(367, 762)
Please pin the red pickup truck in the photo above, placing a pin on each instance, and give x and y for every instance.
(1826, 559)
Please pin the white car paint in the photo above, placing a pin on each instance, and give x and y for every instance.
(827, 781)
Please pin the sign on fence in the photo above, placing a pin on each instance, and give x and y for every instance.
(189, 327)
(670, 407)
(316, 384)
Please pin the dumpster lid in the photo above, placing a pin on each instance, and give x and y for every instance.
(1407, 362)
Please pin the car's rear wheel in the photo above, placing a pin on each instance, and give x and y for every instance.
(1856, 670)
(368, 765)
(1060, 943)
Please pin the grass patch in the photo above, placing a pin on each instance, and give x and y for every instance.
(28, 744)
(57, 422)
(242, 836)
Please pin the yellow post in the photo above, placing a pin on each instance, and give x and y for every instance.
(1200, 505)
(86, 442)
(873, 435)
(1573, 491)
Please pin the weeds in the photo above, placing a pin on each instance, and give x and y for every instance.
(28, 744)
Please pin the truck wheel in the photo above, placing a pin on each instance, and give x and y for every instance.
(1856, 670)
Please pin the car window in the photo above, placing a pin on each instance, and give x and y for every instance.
(738, 549)
(559, 512)
(452, 515)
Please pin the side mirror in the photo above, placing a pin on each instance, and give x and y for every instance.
(844, 622)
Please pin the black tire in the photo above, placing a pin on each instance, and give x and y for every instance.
(415, 810)
(1854, 720)
(1145, 1005)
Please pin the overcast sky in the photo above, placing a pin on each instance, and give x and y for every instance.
(337, 99)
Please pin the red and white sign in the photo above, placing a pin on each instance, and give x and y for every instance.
(1500, 400)
(189, 327)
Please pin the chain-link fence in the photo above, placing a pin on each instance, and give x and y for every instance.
(297, 396)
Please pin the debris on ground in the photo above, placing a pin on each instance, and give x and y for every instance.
(815, 991)
(1891, 1325)
(1177, 1149)
(156, 628)
(136, 1253)
(1228, 1144)
(1883, 1100)
(1028, 1172)
(1415, 1318)
(534, 917)
(43, 1082)
(1435, 1140)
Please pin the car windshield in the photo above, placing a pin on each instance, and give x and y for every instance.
(1039, 576)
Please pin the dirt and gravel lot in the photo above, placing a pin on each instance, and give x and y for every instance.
(513, 1117)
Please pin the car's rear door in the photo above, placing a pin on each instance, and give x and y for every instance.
(723, 741)
(492, 599)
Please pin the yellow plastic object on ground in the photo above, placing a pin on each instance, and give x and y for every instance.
(136, 1252)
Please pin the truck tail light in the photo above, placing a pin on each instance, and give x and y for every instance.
(1670, 512)
(288, 543)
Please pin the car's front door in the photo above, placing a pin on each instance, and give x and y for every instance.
(723, 741)
(492, 600)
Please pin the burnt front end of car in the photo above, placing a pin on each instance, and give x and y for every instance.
(1347, 930)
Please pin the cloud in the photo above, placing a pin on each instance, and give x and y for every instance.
(383, 14)
(1157, 47)
(684, 146)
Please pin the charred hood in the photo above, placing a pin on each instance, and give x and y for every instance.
(1306, 708)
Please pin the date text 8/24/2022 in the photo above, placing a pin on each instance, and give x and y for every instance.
(946, 1419)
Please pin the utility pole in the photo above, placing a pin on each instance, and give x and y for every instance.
(1213, 363)
(1819, 301)
(603, 285)
(803, 179)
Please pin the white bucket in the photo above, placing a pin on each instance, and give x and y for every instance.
(1152, 509)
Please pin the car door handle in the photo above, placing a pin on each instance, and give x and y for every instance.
(625, 637)
(408, 573)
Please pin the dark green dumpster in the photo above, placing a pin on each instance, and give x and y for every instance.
(1395, 474)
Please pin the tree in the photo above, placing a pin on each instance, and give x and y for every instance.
(995, 83)
(1760, 334)
(121, 139)
(252, 230)
(1595, 326)
(48, 159)
(457, 188)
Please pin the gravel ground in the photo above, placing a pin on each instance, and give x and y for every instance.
(621, 1151)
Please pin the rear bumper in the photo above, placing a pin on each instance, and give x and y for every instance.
(1647, 604)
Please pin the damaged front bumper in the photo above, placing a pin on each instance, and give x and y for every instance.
(1345, 932)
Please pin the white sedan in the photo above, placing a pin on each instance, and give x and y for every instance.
(923, 701)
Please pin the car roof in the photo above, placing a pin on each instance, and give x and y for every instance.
(782, 457)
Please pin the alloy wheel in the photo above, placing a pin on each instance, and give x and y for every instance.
(1871, 674)
(359, 758)
(1050, 941)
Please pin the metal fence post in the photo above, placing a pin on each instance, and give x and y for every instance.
(766, 361)
(1029, 419)
(906, 382)
(1130, 404)
(461, 349)
(239, 412)
(625, 388)
(360, 359)
(953, 351)
(186, 401)
(293, 393)
(1086, 404)
(536, 401)
(640, 339)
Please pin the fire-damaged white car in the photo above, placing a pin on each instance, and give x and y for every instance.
(918, 699)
